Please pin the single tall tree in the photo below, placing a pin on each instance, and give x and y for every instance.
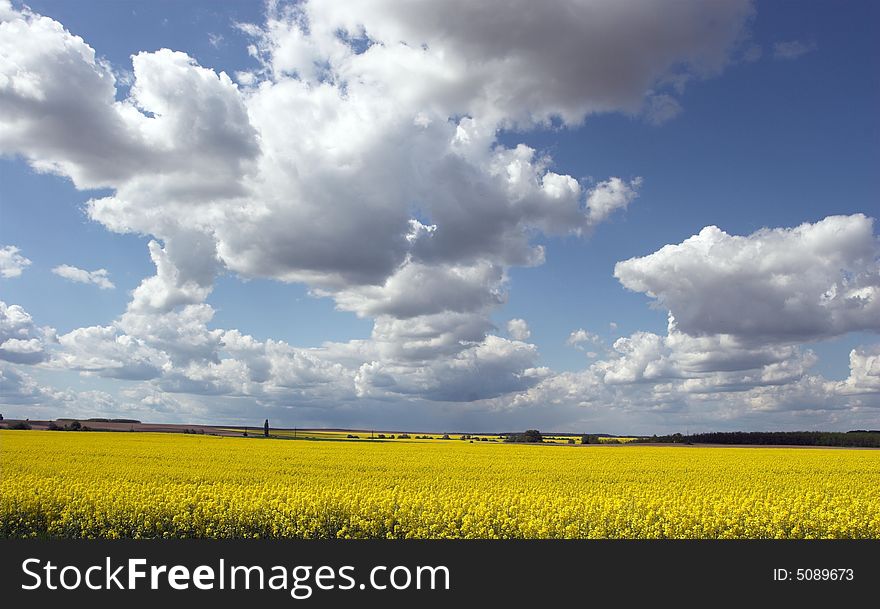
(266, 428)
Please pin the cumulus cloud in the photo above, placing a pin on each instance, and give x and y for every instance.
(426, 337)
(21, 341)
(792, 49)
(24, 396)
(105, 351)
(178, 353)
(494, 367)
(720, 401)
(183, 333)
(58, 100)
(518, 329)
(580, 336)
(786, 284)
(100, 277)
(674, 380)
(20, 389)
(523, 62)
(422, 289)
(362, 159)
(383, 187)
(12, 263)
(384, 104)
(864, 372)
(700, 364)
(607, 197)
(185, 270)
(61, 112)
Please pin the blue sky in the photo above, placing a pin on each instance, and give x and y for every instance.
(770, 123)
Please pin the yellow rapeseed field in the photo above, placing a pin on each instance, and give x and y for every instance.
(144, 485)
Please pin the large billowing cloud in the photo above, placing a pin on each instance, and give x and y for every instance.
(363, 116)
(517, 61)
(362, 159)
(180, 122)
(787, 284)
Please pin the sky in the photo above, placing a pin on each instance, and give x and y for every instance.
(581, 216)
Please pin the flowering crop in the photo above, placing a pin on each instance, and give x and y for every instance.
(142, 485)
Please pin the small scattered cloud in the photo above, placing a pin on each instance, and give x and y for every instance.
(12, 264)
(661, 108)
(581, 336)
(518, 329)
(608, 196)
(792, 49)
(100, 277)
(215, 40)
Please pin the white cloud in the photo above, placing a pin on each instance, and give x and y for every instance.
(425, 337)
(325, 195)
(105, 351)
(713, 402)
(775, 285)
(792, 49)
(21, 341)
(363, 161)
(20, 389)
(185, 271)
(421, 289)
(183, 334)
(567, 58)
(580, 336)
(58, 99)
(12, 264)
(864, 372)
(607, 197)
(518, 329)
(24, 396)
(100, 277)
(700, 364)
(494, 367)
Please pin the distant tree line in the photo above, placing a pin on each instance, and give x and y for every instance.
(593, 438)
(72, 426)
(857, 438)
(528, 436)
(99, 420)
